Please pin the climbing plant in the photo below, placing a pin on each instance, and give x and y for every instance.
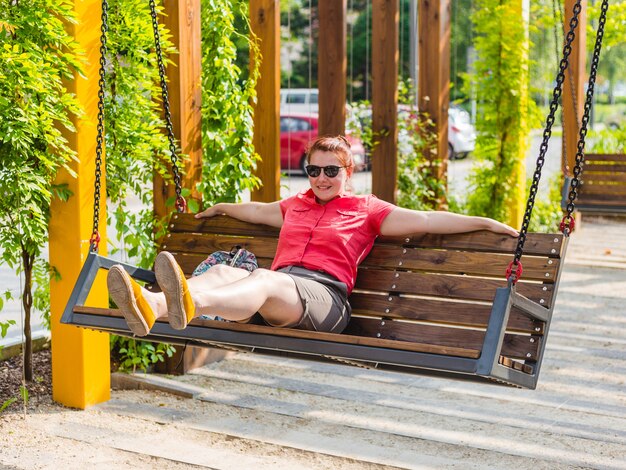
(36, 55)
(229, 157)
(499, 81)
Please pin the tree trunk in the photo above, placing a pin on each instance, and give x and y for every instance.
(27, 302)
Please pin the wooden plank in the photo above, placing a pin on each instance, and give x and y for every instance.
(611, 190)
(458, 262)
(205, 244)
(305, 334)
(385, 41)
(182, 19)
(548, 244)
(439, 311)
(608, 176)
(265, 24)
(536, 243)
(514, 346)
(605, 157)
(447, 286)
(332, 66)
(219, 225)
(602, 167)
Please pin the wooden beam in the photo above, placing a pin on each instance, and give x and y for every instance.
(182, 19)
(265, 24)
(385, 57)
(573, 87)
(434, 74)
(332, 66)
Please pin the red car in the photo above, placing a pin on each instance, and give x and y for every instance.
(296, 132)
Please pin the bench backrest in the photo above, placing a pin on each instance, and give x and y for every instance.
(422, 291)
(603, 186)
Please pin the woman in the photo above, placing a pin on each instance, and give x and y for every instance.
(325, 233)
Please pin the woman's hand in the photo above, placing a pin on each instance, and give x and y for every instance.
(211, 211)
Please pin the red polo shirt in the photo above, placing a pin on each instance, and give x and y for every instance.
(333, 238)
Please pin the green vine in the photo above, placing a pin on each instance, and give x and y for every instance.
(500, 81)
(227, 126)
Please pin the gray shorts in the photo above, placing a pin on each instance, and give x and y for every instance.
(324, 298)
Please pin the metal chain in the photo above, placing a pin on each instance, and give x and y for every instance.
(514, 266)
(568, 221)
(181, 204)
(95, 234)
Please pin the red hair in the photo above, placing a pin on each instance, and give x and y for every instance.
(338, 145)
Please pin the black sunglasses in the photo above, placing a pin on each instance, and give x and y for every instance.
(331, 170)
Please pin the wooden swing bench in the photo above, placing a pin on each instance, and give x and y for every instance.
(423, 304)
(603, 185)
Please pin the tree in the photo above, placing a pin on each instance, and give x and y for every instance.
(36, 55)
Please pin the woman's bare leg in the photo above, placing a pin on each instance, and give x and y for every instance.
(272, 294)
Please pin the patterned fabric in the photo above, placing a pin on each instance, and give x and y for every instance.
(237, 257)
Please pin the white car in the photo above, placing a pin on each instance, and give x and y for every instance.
(461, 133)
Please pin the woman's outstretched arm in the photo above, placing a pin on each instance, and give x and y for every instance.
(402, 221)
(268, 213)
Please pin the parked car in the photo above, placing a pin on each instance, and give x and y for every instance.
(299, 100)
(461, 133)
(297, 131)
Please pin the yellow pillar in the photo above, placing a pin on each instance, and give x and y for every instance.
(80, 358)
(518, 204)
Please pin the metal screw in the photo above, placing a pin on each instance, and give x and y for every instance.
(393, 287)
(378, 335)
(547, 274)
(397, 275)
(545, 288)
(542, 301)
(528, 355)
(169, 234)
(386, 311)
(537, 328)
(550, 261)
(553, 251)
(390, 298)
(171, 226)
(382, 323)
(532, 340)
(400, 263)
(164, 247)
(404, 251)
(556, 240)
(176, 216)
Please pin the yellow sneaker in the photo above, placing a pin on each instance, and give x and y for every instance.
(171, 279)
(128, 297)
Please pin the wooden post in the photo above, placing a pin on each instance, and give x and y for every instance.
(182, 19)
(434, 75)
(573, 87)
(385, 57)
(80, 358)
(332, 66)
(265, 24)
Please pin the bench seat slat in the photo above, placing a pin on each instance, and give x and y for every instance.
(514, 346)
(605, 158)
(604, 176)
(431, 310)
(412, 337)
(443, 285)
(606, 190)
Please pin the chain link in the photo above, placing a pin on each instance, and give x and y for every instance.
(554, 104)
(95, 234)
(181, 204)
(568, 220)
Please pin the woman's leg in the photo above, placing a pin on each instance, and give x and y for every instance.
(231, 293)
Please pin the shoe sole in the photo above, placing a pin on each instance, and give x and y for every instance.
(121, 291)
(168, 276)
